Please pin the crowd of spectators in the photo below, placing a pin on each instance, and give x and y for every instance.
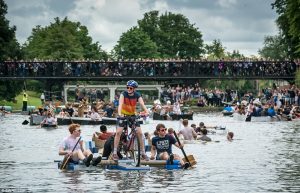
(287, 95)
(149, 68)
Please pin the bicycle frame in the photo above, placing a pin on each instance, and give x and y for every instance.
(130, 145)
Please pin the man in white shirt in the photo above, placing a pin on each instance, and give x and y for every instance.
(187, 132)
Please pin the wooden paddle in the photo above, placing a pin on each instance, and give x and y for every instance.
(66, 159)
(183, 152)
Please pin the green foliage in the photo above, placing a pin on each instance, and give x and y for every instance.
(9, 89)
(173, 35)
(35, 85)
(241, 85)
(33, 100)
(235, 55)
(274, 48)
(288, 22)
(62, 40)
(215, 50)
(9, 47)
(135, 44)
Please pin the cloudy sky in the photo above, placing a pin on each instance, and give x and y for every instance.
(239, 24)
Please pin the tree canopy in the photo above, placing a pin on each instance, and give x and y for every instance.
(172, 34)
(215, 49)
(288, 22)
(135, 44)
(9, 49)
(62, 40)
(274, 48)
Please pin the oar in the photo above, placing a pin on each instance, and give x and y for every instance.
(220, 128)
(183, 152)
(65, 161)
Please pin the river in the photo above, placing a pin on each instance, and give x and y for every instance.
(263, 157)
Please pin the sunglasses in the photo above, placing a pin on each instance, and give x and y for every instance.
(162, 130)
(78, 130)
(130, 88)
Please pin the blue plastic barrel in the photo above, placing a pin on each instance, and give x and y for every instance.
(7, 108)
(175, 166)
(30, 108)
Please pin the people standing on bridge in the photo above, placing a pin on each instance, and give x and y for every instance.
(25, 100)
(127, 107)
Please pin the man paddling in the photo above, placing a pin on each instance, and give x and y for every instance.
(79, 153)
(162, 146)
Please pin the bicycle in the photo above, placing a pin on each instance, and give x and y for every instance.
(128, 146)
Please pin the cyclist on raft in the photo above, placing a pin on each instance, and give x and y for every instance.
(127, 107)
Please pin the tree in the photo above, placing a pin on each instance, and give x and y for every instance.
(9, 89)
(235, 55)
(135, 44)
(9, 47)
(62, 40)
(173, 34)
(288, 22)
(215, 49)
(274, 48)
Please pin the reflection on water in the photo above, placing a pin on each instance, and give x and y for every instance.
(126, 180)
(287, 161)
(264, 157)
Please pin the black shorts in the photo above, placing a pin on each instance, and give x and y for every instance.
(127, 122)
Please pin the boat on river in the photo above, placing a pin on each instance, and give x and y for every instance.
(85, 121)
(48, 126)
(227, 113)
(157, 116)
(126, 165)
(88, 121)
(241, 117)
(36, 119)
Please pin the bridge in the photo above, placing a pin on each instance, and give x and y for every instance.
(147, 70)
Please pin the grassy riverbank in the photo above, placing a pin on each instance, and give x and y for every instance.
(33, 100)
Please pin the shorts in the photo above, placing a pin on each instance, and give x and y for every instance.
(125, 122)
(158, 155)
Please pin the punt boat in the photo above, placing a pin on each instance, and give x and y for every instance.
(157, 116)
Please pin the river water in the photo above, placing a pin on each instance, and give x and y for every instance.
(264, 157)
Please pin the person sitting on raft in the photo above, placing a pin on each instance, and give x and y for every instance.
(79, 153)
(49, 120)
(162, 146)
